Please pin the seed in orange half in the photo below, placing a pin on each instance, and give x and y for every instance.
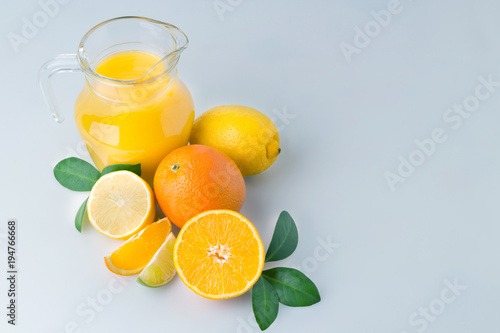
(133, 255)
(219, 254)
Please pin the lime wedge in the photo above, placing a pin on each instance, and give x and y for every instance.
(160, 270)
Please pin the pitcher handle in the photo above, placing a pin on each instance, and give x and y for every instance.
(63, 63)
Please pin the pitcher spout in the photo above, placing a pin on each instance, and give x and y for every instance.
(169, 62)
(162, 42)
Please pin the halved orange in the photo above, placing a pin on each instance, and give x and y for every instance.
(219, 254)
(133, 255)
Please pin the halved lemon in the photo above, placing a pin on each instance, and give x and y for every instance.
(133, 255)
(219, 254)
(121, 204)
(160, 269)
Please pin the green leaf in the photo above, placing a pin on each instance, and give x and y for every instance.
(76, 174)
(265, 303)
(285, 238)
(135, 168)
(80, 214)
(292, 286)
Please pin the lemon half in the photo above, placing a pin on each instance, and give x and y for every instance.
(121, 204)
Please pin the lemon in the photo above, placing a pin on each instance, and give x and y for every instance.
(246, 135)
(161, 268)
(121, 204)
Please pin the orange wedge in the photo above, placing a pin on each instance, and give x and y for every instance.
(219, 254)
(133, 255)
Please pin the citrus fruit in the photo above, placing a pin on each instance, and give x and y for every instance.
(246, 135)
(121, 204)
(193, 179)
(133, 255)
(160, 270)
(219, 254)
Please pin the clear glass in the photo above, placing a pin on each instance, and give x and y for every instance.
(126, 118)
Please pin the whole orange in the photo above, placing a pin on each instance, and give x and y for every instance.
(196, 178)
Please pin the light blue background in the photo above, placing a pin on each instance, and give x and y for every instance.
(348, 123)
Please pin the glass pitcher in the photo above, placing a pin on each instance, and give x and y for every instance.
(133, 108)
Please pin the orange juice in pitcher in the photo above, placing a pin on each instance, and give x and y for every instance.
(133, 108)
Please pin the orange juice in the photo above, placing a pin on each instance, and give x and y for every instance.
(134, 123)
